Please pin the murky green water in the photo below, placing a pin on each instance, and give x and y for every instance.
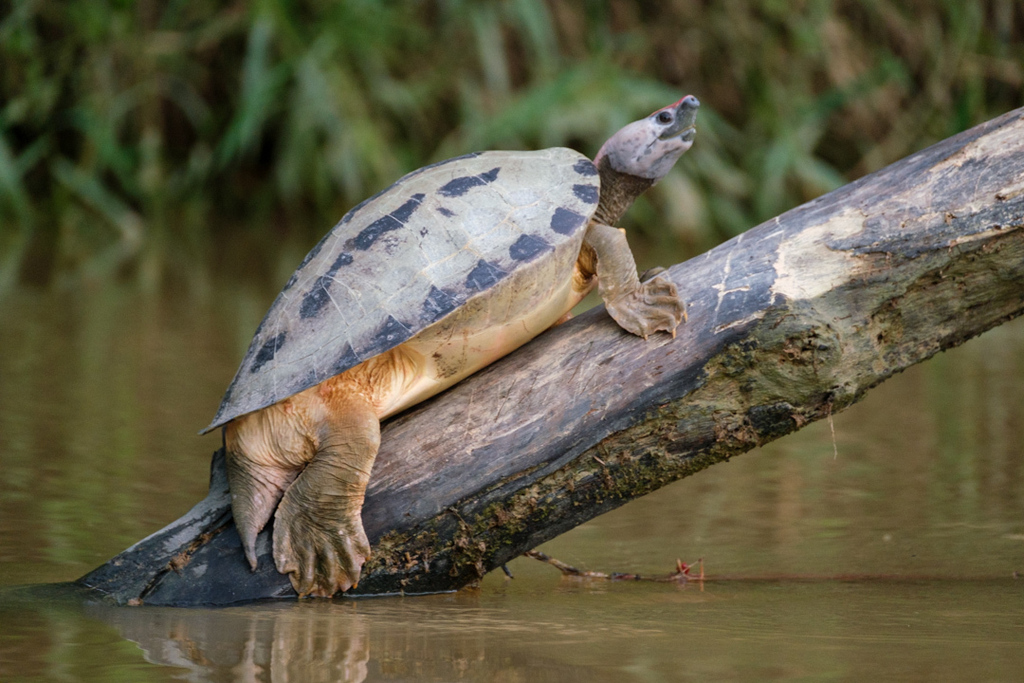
(889, 552)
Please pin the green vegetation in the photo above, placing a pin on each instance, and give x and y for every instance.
(151, 141)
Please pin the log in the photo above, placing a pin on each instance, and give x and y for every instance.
(788, 323)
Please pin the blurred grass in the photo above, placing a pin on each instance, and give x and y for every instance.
(160, 142)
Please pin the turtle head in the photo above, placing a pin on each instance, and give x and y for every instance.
(641, 154)
(648, 148)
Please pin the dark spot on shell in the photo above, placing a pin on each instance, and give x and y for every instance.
(527, 247)
(423, 231)
(312, 378)
(585, 167)
(226, 401)
(346, 360)
(447, 213)
(317, 297)
(267, 352)
(437, 305)
(457, 187)
(343, 259)
(393, 221)
(565, 222)
(587, 193)
(390, 334)
(484, 275)
(402, 213)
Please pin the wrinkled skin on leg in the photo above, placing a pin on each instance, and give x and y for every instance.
(310, 457)
(642, 308)
(265, 452)
(318, 529)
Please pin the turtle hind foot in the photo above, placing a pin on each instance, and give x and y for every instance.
(319, 541)
(255, 492)
(653, 307)
(321, 551)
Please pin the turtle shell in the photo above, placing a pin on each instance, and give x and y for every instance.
(406, 258)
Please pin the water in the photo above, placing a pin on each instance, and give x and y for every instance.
(888, 551)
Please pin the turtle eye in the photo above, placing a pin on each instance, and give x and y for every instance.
(665, 117)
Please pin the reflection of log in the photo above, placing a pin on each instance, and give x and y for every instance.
(224, 645)
(788, 323)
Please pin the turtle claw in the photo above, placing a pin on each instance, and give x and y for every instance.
(255, 491)
(654, 307)
(249, 547)
(321, 558)
(652, 273)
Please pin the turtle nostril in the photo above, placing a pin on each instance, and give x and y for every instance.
(690, 101)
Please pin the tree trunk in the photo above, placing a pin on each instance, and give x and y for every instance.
(790, 322)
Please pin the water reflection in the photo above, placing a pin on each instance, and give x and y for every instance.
(450, 637)
(542, 628)
(310, 642)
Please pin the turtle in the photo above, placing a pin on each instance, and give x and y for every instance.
(452, 267)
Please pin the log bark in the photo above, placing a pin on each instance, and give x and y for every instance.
(790, 322)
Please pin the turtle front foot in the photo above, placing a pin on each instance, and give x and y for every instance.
(321, 551)
(654, 307)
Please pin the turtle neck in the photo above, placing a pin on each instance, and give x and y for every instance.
(618, 192)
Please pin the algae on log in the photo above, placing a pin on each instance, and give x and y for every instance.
(788, 323)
